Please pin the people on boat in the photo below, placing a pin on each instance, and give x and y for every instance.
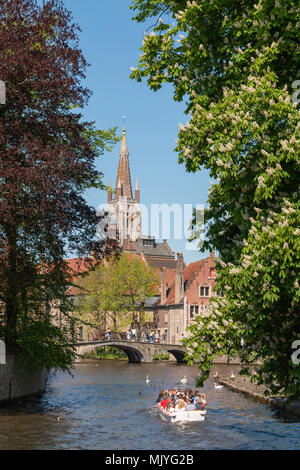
(199, 403)
(170, 407)
(189, 405)
(165, 400)
(181, 400)
(160, 396)
(180, 405)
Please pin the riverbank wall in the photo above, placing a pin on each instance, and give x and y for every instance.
(245, 387)
(16, 383)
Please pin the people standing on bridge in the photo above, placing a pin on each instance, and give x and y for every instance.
(133, 334)
(156, 338)
(151, 336)
(128, 335)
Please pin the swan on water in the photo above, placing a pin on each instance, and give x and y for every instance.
(183, 381)
(218, 387)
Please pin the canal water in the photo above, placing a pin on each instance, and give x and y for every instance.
(108, 405)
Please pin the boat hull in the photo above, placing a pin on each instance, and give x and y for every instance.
(182, 416)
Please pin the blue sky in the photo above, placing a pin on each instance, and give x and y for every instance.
(110, 41)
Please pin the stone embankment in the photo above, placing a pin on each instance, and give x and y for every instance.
(16, 383)
(244, 386)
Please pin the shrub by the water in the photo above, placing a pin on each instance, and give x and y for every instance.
(107, 352)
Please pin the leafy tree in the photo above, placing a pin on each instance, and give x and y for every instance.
(114, 294)
(235, 64)
(100, 303)
(137, 282)
(47, 161)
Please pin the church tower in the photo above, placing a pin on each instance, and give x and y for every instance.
(124, 210)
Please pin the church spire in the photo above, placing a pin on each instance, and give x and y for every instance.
(125, 212)
(137, 191)
(124, 143)
(123, 175)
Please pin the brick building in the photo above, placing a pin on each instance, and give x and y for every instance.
(185, 293)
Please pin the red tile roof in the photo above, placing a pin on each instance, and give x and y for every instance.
(77, 267)
(189, 275)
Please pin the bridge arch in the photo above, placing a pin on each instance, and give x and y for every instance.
(178, 354)
(135, 351)
(134, 354)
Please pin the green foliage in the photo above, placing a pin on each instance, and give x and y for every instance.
(161, 357)
(47, 161)
(114, 293)
(100, 141)
(234, 63)
(108, 352)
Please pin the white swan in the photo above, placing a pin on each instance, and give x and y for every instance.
(183, 381)
(216, 375)
(232, 375)
(218, 387)
(147, 379)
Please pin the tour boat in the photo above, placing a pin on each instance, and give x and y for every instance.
(181, 416)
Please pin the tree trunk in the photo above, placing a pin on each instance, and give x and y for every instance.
(11, 303)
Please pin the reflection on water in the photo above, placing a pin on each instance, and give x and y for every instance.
(108, 405)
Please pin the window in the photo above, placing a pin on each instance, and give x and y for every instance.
(204, 291)
(148, 242)
(191, 311)
(194, 310)
(212, 272)
(81, 333)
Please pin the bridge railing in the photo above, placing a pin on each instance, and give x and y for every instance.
(113, 341)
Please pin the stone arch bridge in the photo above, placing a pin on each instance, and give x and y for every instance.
(136, 351)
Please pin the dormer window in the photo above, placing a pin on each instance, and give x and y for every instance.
(148, 241)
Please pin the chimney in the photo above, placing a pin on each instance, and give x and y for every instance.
(179, 279)
(163, 286)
